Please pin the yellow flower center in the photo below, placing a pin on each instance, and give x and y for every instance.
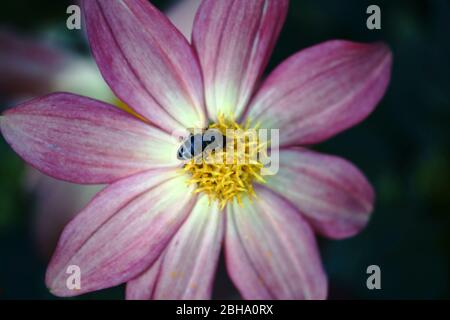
(228, 173)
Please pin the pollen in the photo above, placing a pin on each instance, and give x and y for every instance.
(226, 174)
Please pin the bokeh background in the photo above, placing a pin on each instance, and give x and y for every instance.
(403, 147)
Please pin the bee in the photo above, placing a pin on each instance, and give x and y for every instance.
(196, 144)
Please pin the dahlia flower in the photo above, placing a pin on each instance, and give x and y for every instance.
(160, 223)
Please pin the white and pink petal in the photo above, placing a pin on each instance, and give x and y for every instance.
(234, 41)
(85, 141)
(147, 62)
(121, 232)
(330, 192)
(322, 90)
(271, 251)
(187, 267)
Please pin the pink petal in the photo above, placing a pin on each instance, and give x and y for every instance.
(26, 66)
(271, 252)
(147, 62)
(323, 90)
(234, 40)
(30, 68)
(186, 268)
(121, 232)
(329, 191)
(81, 140)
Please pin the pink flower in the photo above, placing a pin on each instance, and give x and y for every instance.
(147, 228)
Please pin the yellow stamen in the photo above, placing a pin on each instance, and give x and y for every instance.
(221, 181)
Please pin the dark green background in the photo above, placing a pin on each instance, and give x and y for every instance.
(403, 148)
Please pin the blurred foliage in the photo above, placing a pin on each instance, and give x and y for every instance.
(403, 148)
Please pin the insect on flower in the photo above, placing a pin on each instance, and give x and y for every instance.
(196, 144)
(161, 223)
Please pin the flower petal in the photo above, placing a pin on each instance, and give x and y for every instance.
(147, 62)
(81, 140)
(322, 90)
(30, 68)
(186, 268)
(271, 252)
(329, 191)
(27, 66)
(234, 40)
(121, 232)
